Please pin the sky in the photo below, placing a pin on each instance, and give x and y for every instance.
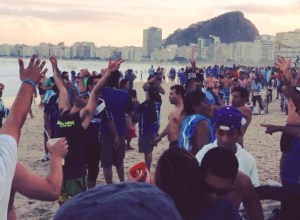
(121, 22)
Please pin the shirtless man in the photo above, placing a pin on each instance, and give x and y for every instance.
(219, 168)
(172, 128)
(293, 117)
(239, 99)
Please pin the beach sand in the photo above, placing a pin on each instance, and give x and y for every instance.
(265, 149)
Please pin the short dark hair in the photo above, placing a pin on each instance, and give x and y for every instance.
(113, 80)
(179, 90)
(220, 162)
(123, 82)
(191, 99)
(243, 92)
(90, 81)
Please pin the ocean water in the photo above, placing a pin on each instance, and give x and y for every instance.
(9, 70)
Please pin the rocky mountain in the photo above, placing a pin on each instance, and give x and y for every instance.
(230, 27)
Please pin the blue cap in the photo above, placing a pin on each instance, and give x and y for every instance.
(121, 201)
(227, 118)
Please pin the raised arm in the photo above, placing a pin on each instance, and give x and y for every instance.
(18, 112)
(88, 111)
(63, 100)
(45, 188)
(285, 73)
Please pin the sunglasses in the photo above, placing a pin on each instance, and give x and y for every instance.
(213, 190)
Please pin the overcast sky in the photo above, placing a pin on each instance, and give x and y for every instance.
(121, 22)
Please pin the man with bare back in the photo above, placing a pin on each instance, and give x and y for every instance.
(172, 128)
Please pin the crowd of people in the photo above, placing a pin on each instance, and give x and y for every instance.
(90, 119)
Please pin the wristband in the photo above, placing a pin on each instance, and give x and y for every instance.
(29, 81)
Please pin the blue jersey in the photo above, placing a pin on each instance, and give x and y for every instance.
(187, 130)
(148, 119)
(119, 104)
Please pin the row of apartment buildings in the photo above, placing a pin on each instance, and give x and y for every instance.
(210, 50)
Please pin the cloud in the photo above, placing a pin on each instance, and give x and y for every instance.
(64, 15)
(261, 9)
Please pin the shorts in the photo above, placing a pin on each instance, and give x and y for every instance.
(110, 156)
(71, 188)
(145, 143)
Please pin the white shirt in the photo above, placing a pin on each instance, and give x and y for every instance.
(246, 161)
(8, 161)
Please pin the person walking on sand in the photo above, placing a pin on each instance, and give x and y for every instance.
(148, 125)
(175, 117)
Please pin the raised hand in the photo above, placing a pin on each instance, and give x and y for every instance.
(114, 65)
(284, 66)
(53, 61)
(34, 70)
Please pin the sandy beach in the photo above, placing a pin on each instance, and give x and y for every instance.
(265, 149)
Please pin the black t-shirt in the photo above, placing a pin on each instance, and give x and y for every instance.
(69, 126)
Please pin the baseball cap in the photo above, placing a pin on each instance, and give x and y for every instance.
(227, 118)
(127, 200)
(191, 76)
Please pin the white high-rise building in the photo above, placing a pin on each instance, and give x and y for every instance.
(152, 39)
(288, 44)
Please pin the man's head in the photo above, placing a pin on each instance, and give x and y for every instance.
(113, 80)
(176, 94)
(240, 96)
(215, 83)
(80, 101)
(195, 103)
(219, 168)
(227, 124)
(124, 84)
(65, 75)
(153, 93)
(91, 82)
(192, 83)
